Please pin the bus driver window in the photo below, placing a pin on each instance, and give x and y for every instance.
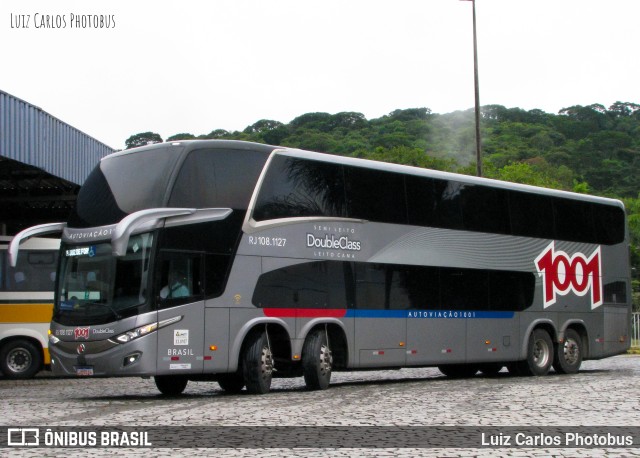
(176, 286)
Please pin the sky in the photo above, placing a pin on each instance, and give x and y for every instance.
(195, 66)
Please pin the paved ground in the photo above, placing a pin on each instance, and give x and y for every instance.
(605, 393)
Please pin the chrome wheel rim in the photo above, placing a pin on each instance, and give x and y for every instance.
(19, 360)
(266, 363)
(571, 352)
(540, 353)
(326, 360)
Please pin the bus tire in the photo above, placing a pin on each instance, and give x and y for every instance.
(231, 383)
(458, 370)
(317, 361)
(569, 354)
(20, 359)
(257, 364)
(171, 385)
(539, 354)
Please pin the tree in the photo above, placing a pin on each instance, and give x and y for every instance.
(182, 136)
(267, 130)
(313, 121)
(264, 125)
(312, 140)
(410, 114)
(217, 133)
(632, 206)
(348, 120)
(142, 139)
(522, 172)
(623, 109)
(408, 156)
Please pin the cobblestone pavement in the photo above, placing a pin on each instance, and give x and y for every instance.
(604, 393)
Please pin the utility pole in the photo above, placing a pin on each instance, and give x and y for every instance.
(477, 92)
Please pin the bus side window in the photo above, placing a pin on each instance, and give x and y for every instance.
(32, 273)
(381, 286)
(19, 279)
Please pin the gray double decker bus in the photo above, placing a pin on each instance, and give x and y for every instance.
(238, 262)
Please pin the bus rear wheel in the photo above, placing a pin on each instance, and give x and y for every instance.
(171, 385)
(20, 359)
(317, 361)
(257, 364)
(539, 354)
(569, 354)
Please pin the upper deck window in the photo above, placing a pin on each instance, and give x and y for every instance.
(140, 180)
(217, 178)
(161, 176)
(375, 195)
(123, 184)
(295, 187)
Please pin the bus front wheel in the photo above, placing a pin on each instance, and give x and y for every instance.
(317, 361)
(20, 359)
(257, 364)
(171, 385)
(569, 354)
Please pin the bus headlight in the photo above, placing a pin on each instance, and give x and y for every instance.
(146, 329)
(138, 332)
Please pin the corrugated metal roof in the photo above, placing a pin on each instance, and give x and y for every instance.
(32, 136)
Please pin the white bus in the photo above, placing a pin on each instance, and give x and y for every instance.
(238, 262)
(26, 306)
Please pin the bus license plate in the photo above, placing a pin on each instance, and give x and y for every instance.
(84, 371)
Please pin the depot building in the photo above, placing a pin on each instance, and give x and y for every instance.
(43, 162)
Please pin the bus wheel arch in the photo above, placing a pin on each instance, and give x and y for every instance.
(21, 357)
(279, 338)
(337, 340)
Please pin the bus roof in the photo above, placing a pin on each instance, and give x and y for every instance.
(189, 145)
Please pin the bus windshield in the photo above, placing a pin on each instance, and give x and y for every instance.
(96, 287)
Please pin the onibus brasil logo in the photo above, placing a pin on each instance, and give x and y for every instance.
(563, 274)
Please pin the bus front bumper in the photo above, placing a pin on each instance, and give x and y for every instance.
(103, 358)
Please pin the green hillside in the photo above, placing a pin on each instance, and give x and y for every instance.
(590, 149)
